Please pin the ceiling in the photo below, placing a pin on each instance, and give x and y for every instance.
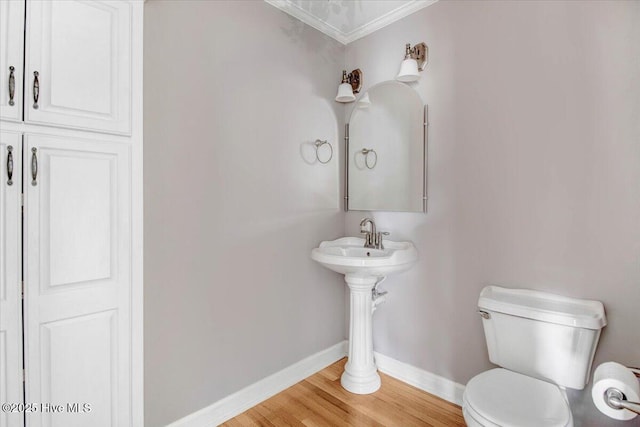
(349, 20)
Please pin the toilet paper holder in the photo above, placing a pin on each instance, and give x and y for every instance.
(616, 399)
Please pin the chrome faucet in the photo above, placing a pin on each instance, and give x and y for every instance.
(369, 238)
(373, 238)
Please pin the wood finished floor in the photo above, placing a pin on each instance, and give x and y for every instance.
(320, 400)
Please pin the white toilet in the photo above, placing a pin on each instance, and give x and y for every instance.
(544, 343)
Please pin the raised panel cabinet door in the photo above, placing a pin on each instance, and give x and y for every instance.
(11, 55)
(78, 64)
(10, 292)
(78, 281)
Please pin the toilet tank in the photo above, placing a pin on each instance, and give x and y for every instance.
(542, 335)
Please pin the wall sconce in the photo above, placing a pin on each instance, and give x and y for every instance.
(351, 84)
(415, 60)
(364, 101)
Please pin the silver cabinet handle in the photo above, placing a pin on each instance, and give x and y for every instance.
(34, 166)
(12, 85)
(10, 165)
(36, 90)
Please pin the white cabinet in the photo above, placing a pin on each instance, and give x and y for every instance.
(71, 218)
(76, 248)
(78, 279)
(11, 59)
(77, 60)
(10, 299)
(78, 64)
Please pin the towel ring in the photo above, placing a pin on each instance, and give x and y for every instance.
(319, 143)
(366, 152)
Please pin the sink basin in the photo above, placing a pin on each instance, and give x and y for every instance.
(363, 268)
(348, 255)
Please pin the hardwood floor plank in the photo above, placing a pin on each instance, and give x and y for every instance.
(372, 405)
(314, 409)
(258, 417)
(320, 401)
(427, 407)
(282, 416)
(233, 422)
(342, 414)
(293, 409)
(246, 420)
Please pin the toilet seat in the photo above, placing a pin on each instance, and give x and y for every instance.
(507, 399)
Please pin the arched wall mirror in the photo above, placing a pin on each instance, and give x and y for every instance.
(386, 144)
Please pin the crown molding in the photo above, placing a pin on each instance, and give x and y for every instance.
(387, 19)
(407, 9)
(292, 9)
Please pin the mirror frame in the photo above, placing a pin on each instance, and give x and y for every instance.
(425, 127)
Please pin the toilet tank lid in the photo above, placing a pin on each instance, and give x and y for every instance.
(542, 306)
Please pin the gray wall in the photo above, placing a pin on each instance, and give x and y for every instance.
(534, 182)
(234, 94)
(534, 171)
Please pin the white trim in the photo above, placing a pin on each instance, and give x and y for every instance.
(345, 38)
(419, 378)
(137, 217)
(248, 397)
(294, 10)
(387, 19)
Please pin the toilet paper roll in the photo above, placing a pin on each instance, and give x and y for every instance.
(612, 374)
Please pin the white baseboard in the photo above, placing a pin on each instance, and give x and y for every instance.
(250, 396)
(419, 378)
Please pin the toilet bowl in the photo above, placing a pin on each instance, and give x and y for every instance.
(500, 397)
(544, 343)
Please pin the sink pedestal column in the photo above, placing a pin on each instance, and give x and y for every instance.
(360, 374)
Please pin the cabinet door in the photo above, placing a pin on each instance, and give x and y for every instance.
(11, 54)
(78, 281)
(81, 52)
(10, 298)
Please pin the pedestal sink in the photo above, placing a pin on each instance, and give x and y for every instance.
(363, 268)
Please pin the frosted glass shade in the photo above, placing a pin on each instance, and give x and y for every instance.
(364, 101)
(408, 71)
(345, 93)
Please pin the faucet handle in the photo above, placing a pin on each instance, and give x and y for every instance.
(378, 239)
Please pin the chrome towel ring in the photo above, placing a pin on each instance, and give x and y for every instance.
(366, 152)
(319, 143)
